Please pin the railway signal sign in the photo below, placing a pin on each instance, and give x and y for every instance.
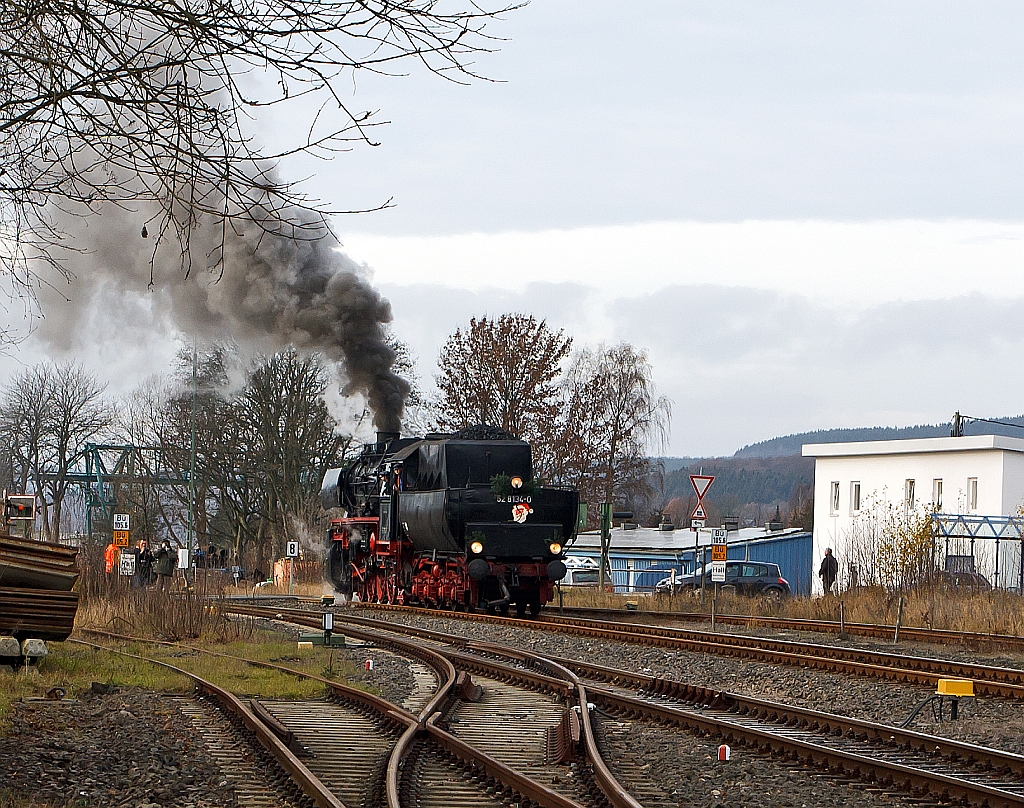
(293, 549)
(127, 564)
(121, 521)
(718, 572)
(701, 483)
(121, 538)
(719, 549)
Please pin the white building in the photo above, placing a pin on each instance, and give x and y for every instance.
(982, 474)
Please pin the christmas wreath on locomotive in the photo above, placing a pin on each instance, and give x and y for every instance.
(454, 521)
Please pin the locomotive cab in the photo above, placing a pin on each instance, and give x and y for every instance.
(452, 521)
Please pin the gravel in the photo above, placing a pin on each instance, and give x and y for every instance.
(128, 749)
(994, 722)
(390, 675)
(668, 768)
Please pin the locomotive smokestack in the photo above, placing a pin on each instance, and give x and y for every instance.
(384, 438)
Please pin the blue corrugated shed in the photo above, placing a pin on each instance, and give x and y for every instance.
(792, 554)
(640, 558)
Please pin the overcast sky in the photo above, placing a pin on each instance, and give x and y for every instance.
(810, 214)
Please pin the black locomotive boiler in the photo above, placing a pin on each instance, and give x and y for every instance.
(452, 521)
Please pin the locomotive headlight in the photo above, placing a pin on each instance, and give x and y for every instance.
(555, 548)
(476, 548)
(517, 482)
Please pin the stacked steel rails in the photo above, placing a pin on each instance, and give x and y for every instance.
(358, 750)
(916, 763)
(36, 578)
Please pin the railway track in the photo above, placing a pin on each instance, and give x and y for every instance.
(915, 763)
(261, 766)
(878, 631)
(367, 752)
(989, 680)
(524, 734)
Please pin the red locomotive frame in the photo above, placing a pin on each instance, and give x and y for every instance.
(394, 572)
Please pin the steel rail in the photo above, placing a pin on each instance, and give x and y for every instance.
(905, 776)
(883, 631)
(426, 721)
(935, 636)
(988, 680)
(395, 713)
(310, 785)
(617, 795)
(827, 723)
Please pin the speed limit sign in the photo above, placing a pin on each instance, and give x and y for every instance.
(293, 549)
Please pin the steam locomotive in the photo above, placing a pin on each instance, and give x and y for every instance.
(451, 521)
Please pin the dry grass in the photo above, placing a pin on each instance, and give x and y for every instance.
(75, 667)
(995, 612)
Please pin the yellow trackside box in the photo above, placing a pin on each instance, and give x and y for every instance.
(955, 687)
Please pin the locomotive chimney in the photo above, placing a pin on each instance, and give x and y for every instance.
(384, 438)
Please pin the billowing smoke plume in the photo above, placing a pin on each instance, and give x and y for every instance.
(270, 292)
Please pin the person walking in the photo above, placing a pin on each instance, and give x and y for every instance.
(829, 571)
(164, 562)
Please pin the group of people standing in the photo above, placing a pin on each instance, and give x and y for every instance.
(151, 566)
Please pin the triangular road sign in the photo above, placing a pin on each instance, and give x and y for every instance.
(698, 512)
(701, 483)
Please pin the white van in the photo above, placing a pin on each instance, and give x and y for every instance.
(580, 571)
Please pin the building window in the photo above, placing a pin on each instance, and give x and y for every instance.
(972, 493)
(908, 495)
(937, 495)
(835, 498)
(854, 498)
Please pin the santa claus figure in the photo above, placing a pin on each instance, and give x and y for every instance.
(521, 511)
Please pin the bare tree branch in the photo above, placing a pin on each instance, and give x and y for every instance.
(133, 103)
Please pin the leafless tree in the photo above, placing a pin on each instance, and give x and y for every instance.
(153, 107)
(612, 418)
(419, 416)
(291, 440)
(25, 414)
(49, 413)
(80, 414)
(504, 372)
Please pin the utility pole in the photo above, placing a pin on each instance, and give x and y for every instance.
(192, 465)
(606, 540)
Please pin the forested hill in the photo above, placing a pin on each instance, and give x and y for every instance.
(790, 444)
(744, 480)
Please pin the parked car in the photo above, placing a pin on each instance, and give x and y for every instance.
(581, 571)
(746, 577)
(965, 581)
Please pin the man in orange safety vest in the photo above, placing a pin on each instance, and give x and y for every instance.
(111, 557)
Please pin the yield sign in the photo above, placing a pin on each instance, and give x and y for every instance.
(701, 483)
